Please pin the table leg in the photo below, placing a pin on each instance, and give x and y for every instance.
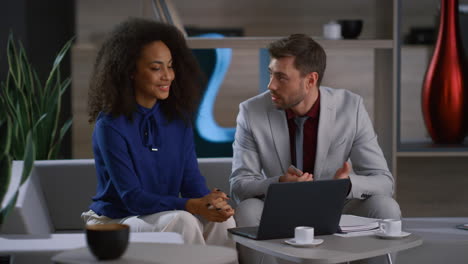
(389, 259)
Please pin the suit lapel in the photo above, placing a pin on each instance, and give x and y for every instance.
(280, 134)
(326, 121)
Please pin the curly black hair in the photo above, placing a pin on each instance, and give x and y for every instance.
(111, 89)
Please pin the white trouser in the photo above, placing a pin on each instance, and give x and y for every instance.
(194, 230)
(249, 212)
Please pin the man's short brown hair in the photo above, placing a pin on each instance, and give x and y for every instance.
(309, 55)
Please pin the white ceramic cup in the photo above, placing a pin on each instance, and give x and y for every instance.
(304, 234)
(390, 227)
(332, 30)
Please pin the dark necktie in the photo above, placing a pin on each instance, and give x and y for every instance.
(300, 141)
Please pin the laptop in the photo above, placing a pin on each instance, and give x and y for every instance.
(318, 204)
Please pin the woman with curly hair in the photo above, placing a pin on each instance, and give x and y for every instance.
(143, 96)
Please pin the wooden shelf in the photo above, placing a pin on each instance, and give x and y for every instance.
(262, 42)
(429, 149)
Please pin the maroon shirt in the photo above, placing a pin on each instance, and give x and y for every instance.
(310, 136)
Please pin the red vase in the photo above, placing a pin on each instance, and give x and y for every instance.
(444, 93)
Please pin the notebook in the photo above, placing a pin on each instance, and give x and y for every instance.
(317, 204)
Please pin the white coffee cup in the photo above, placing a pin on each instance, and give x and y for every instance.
(332, 30)
(390, 227)
(304, 234)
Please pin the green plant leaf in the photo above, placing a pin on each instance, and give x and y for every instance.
(40, 138)
(38, 122)
(18, 126)
(5, 135)
(32, 105)
(10, 205)
(66, 126)
(5, 176)
(64, 86)
(29, 157)
(12, 58)
(54, 150)
(58, 60)
(39, 89)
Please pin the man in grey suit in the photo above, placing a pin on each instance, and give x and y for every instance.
(316, 128)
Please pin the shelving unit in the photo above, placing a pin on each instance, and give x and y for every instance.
(385, 47)
(429, 149)
(262, 42)
(430, 179)
(433, 154)
(380, 38)
(422, 170)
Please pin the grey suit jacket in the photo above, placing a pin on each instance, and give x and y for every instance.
(262, 148)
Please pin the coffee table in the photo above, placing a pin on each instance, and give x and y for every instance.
(146, 253)
(334, 249)
(41, 248)
(55, 243)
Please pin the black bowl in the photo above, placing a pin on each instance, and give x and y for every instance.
(350, 28)
(107, 241)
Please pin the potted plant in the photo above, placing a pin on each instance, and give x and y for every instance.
(29, 118)
(6, 185)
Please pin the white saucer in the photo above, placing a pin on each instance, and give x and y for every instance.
(383, 235)
(314, 243)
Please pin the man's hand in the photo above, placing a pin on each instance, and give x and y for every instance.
(296, 175)
(343, 172)
(213, 206)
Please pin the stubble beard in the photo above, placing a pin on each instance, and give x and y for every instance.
(296, 100)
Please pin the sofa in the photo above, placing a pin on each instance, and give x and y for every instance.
(51, 201)
(58, 191)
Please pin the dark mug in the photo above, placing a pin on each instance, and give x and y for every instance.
(107, 241)
(350, 28)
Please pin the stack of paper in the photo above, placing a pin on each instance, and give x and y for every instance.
(352, 225)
